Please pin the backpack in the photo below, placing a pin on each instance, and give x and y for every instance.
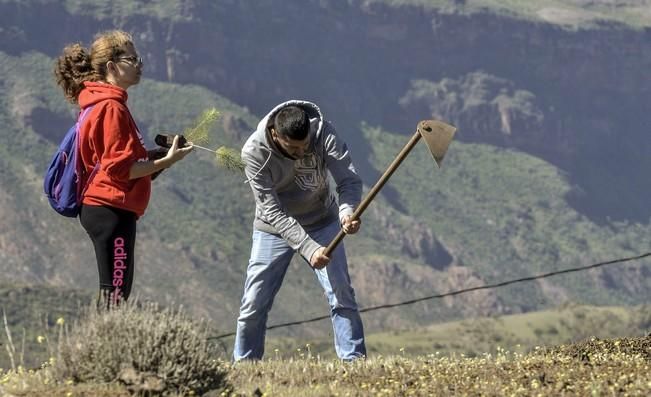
(63, 179)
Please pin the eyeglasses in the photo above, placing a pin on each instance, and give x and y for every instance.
(132, 60)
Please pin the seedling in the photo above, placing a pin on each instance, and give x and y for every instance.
(199, 135)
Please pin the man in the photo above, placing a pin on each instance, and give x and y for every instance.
(288, 159)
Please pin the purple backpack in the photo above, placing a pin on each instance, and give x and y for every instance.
(63, 179)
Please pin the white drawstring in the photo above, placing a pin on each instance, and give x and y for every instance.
(261, 168)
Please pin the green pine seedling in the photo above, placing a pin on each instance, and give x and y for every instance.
(229, 159)
(200, 133)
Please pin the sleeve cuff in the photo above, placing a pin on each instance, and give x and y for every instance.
(308, 248)
(345, 210)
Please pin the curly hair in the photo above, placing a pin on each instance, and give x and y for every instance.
(78, 64)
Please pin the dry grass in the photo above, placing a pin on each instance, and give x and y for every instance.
(151, 341)
(596, 367)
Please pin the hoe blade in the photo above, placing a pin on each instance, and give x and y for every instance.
(437, 135)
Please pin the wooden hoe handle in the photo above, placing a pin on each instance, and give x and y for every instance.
(374, 191)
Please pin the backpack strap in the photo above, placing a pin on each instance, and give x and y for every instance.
(80, 119)
(82, 115)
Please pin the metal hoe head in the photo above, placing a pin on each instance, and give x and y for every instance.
(437, 135)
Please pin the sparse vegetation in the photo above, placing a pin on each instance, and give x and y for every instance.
(520, 333)
(31, 311)
(129, 350)
(595, 367)
(142, 346)
(132, 348)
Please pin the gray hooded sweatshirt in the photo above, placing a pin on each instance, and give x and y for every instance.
(293, 197)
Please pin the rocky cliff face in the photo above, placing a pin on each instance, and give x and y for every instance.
(576, 98)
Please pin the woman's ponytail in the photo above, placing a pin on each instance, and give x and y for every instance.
(72, 68)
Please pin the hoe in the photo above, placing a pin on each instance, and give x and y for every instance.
(436, 134)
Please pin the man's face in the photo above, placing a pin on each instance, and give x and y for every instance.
(295, 149)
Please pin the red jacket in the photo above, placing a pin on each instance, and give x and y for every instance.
(109, 135)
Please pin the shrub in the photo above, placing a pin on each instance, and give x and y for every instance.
(149, 349)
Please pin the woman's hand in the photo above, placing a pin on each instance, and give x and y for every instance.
(175, 153)
(158, 162)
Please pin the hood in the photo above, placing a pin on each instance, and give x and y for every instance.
(259, 146)
(312, 110)
(95, 92)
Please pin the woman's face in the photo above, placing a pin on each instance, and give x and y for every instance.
(126, 69)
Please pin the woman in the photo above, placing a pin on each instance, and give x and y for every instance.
(112, 152)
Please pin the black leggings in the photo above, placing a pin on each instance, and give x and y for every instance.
(113, 232)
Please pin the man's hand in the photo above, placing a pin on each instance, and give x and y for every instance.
(318, 259)
(350, 226)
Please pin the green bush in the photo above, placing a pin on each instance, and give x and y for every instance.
(152, 350)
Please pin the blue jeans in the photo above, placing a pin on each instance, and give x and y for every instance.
(270, 257)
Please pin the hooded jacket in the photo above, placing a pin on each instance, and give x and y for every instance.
(292, 196)
(109, 136)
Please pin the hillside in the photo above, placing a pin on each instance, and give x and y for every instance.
(525, 188)
(592, 366)
(475, 337)
(520, 333)
(34, 313)
(193, 243)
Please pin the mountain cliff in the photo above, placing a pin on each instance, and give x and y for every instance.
(548, 170)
